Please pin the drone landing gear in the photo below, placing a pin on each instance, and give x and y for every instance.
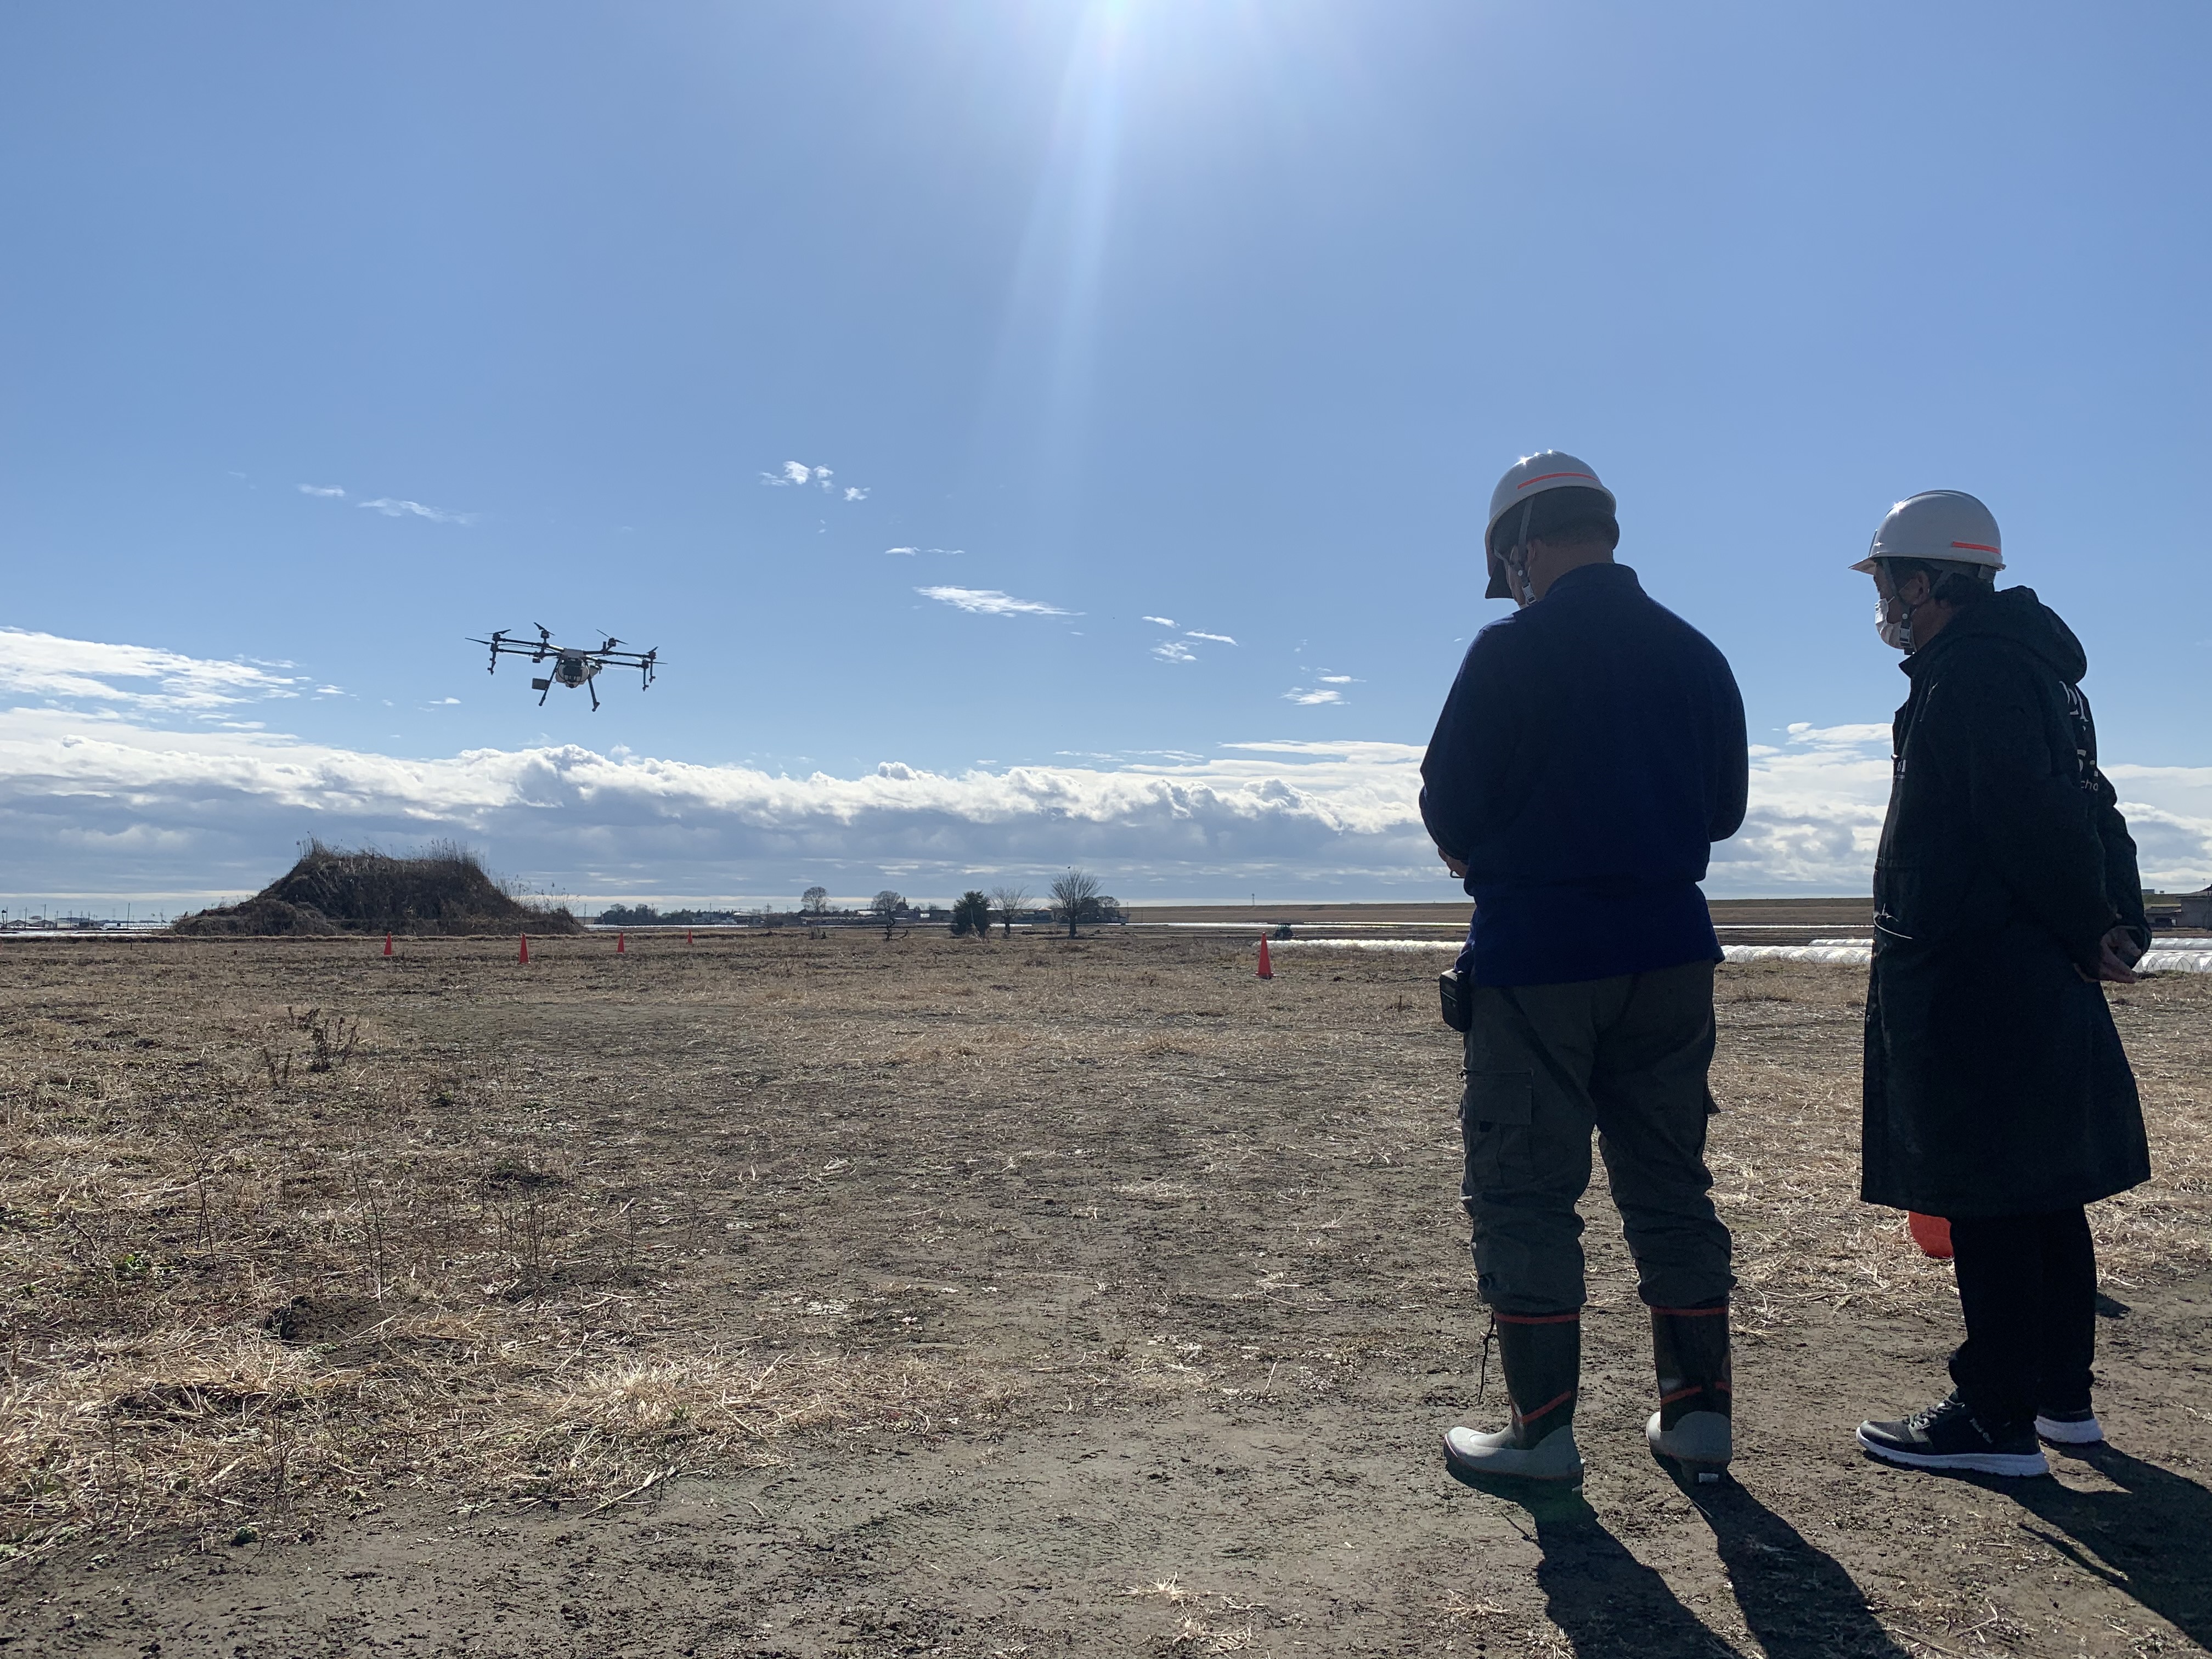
(543, 688)
(594, 691)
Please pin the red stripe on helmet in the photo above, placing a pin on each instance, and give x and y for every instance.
(1542, 477)
(1976, 547)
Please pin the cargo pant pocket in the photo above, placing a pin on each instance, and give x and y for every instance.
(1494, 1118)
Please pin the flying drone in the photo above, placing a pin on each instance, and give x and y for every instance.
(572, 666)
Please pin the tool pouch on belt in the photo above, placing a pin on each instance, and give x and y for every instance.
(1458, 1005)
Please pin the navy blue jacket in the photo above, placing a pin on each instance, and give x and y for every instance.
(1591, 751)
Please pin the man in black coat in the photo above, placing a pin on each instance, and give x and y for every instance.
(1997, 1093)
(1591, 751)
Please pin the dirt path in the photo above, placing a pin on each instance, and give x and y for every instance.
(1164, 1266)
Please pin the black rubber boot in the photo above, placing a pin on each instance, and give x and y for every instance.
(1693, 1425)
(1542, 1355)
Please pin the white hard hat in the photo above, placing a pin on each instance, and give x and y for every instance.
(1937, 524)
(1527, 478)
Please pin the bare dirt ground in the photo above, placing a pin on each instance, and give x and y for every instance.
(777, 1295)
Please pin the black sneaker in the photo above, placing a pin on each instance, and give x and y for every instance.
(1949, 1437)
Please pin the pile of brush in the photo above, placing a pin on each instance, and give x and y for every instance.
(443, 890)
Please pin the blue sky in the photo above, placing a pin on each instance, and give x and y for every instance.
(1215, 311)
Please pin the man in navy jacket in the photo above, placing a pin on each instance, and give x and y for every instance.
(1591, 751)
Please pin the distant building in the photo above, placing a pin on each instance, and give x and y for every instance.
(2190, 912)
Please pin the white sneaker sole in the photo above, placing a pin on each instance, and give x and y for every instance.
(2012, 1463)
(2059, 1432)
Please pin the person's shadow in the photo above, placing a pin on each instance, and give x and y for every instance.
(1797, 1599)
(2148, 1539)
(1608, 1604)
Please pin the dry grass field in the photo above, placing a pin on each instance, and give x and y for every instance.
(777, 1295)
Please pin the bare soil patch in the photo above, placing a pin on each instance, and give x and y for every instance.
(850, 1295)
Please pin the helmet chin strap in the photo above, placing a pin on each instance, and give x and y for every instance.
(1517, 561)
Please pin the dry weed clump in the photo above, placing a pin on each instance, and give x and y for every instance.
(238, 1284)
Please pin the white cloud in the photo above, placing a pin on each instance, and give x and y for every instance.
(399, 509)
(989, 602)
(1164, 621)
(794, 473)
(1174, 651)
(137, 680)
(1337, 679)
(98, 795)
(122, 808)
(1218, 639)
(2169, 813)
(949, 552)
(1300, 695)
(908, 551)
(1816, 808)
(320, 489)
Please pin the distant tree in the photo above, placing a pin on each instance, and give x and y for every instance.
(1011, 900)
(814, 901)
(1075, 898)
(888, 907)
(971, 913)
(628, 915)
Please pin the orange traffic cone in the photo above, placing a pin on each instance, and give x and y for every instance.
(387, 944)
(687, 935)
(1932, 1233)
(620, 948)
(1265, 970)
(524, 956)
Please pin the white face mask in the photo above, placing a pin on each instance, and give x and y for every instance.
(1897, 635)
(1891, 620)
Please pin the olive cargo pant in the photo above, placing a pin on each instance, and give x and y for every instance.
(1546, 1064)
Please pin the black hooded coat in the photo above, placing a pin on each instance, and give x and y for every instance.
(1995, 1081)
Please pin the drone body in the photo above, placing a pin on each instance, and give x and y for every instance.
(572, 666)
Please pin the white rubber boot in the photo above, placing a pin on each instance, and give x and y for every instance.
(1691, 1427)
(1555, 1457)
(1705, 1441)
(1541, 1354)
